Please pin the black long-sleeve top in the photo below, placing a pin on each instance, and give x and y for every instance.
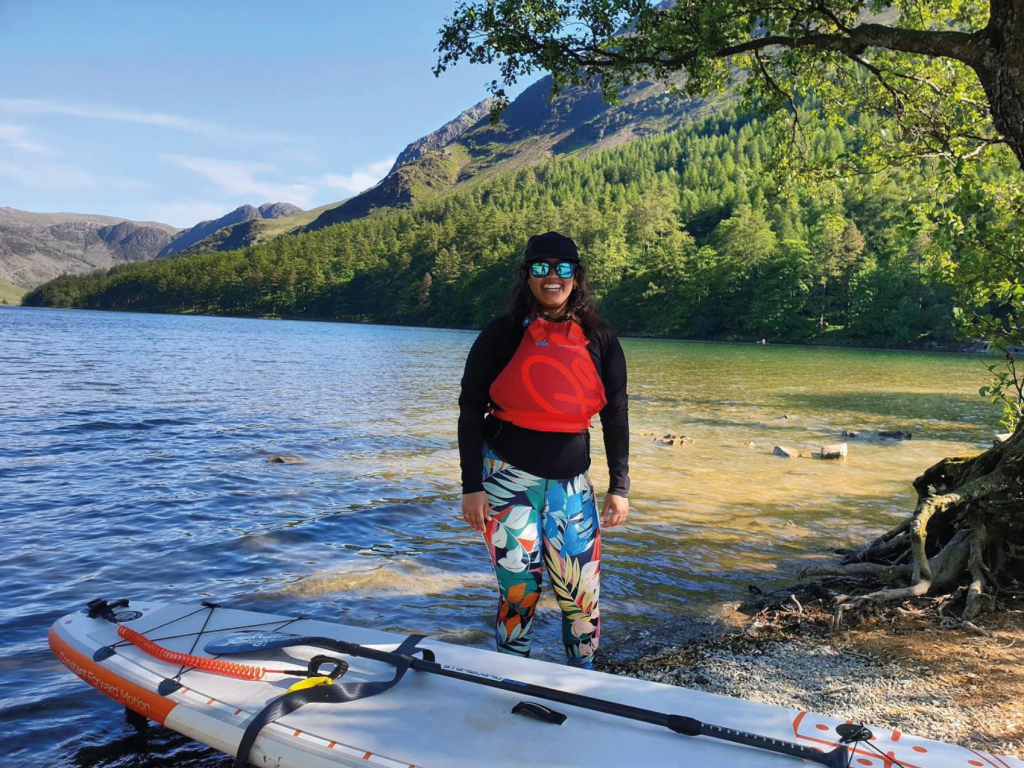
(554, 455)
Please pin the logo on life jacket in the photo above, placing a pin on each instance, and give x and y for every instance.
(550, 384)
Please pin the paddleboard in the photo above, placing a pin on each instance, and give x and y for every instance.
(427, 720)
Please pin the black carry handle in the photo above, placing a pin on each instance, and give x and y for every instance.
(340, 667)
(538, 711)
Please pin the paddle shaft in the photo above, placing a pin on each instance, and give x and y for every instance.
(687, 726)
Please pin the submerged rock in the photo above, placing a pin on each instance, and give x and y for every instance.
(885, 434)
(285, 460)
(786, 452)
(674, 440)
(836, 451)
(895, 434)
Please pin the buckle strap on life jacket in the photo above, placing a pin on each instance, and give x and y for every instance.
(550, 418)
(539, 330)
(326, 694)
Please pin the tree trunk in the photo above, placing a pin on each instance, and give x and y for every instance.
(1000, 68)
(966, 532)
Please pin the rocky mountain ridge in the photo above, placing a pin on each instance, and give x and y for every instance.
(188, 238)
(36, 247)
(444, 135)
(533, 129)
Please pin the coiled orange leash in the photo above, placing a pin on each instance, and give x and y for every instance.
(217, 666)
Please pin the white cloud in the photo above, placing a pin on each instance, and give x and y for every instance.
(303, 156)
(239, 180)
(360, 179)
(15, 137)
(50, 178)
(129, 115)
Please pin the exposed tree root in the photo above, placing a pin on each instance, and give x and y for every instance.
(966, 537)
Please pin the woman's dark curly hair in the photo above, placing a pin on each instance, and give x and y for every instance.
(522, 303)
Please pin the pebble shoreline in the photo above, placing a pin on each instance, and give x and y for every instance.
(806, 669)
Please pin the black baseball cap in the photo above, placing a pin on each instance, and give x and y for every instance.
(551, 245)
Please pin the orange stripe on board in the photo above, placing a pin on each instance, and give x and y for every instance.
(368, 755)
(981, 756)
(331, 745)
(796, 723)
(238, 712)
(136, 698)
(296, 733)
(210, 701)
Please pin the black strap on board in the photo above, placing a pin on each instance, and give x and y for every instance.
(324, 694)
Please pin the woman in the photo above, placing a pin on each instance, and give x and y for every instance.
(533, 380)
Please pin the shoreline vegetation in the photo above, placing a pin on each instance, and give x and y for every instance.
(917, 671)
(685, 235)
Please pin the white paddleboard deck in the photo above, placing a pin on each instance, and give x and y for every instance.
(429, 721)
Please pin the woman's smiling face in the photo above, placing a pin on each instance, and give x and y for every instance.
(551, 291)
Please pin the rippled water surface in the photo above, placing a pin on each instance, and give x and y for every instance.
(133, 462)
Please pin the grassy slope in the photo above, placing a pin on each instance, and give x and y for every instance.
(270, 228)
(11, 293)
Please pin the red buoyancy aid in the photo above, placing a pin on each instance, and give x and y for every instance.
(550, 384)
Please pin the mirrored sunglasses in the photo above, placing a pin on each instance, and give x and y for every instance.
(564, 269)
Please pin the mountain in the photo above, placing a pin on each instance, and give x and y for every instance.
(444, 135)
(464, 151)
(36, 247)
(278, 210)
(252, 231)
(188, 238)
(532, 130)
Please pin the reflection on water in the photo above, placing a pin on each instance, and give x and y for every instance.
(134, 463)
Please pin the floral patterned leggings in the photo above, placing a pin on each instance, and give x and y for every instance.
(534, 518)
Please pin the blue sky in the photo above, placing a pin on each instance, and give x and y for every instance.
(178, 111)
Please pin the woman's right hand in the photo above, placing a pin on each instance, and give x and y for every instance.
(475, 509)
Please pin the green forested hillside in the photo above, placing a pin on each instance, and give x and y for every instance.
(684, 235)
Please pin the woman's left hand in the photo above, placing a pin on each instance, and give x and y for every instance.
(615, 510)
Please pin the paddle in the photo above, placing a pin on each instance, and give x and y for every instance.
(247, 642)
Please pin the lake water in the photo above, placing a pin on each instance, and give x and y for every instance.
(133, 463)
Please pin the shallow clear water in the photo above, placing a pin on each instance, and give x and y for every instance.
(133, 462)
